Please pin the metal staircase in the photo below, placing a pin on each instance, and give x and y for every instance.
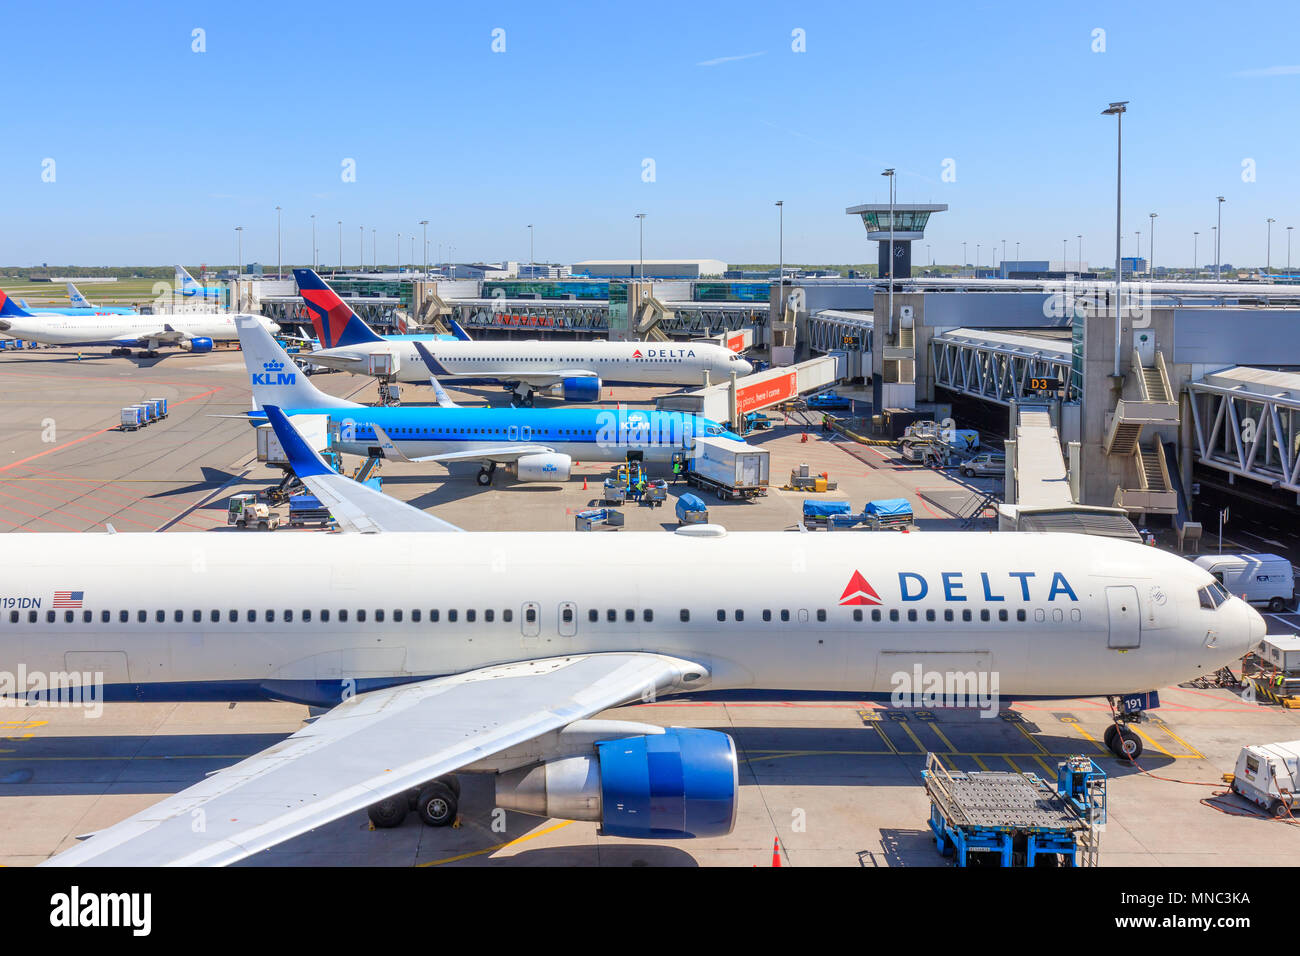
(1154, 406)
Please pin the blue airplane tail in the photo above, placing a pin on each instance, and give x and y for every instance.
(335, 322)
(459, 332)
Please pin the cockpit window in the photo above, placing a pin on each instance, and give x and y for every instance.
(713, 430)
(1212, 595)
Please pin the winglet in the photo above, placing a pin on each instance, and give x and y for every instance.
(459, 332)
(431, 363)
(387, 446)
(303, 459)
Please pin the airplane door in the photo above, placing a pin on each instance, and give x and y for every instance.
(530, 623)
(512, 433)
(1125, 618)
(568, 619)
(525, 432)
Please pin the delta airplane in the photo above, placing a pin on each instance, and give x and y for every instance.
(577, 369)
(193, 332)
(188, 287)
(533, 444)
(492, 652)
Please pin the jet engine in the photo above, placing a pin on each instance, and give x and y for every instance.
(583, 388)
(200, 344)
(680, 784)
(544, 466)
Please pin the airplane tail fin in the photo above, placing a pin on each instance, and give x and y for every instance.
(77, 299)
(459, 332)
(275, 378)
(432, 364)
(8, 307)
(185, 283)
(336, 324)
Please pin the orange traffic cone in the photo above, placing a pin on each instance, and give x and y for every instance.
(776, 851)
(803, 439)
(584, 482)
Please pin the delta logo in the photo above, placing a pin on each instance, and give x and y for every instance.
(858, 592)
(273, 373)
(637, 354)
(913, 586)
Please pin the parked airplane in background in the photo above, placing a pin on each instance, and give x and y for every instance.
(81, 307)
(194, 332)
(534, 444)
(188, 287)
(81, 303)
(577, 369)
(501, 668)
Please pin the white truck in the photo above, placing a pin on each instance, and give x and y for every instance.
(1267, 774)
(1263, 579)
(728, 467)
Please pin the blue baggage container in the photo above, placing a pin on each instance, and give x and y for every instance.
(689, 507)
(825, 509)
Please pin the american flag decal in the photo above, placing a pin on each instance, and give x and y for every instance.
(71, 599)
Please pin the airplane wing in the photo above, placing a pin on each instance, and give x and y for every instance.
(553, 377)
(539, 380)
(373, 746)
(356, 507)
(500, 455)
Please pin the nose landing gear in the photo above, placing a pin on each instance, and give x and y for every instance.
(1122, 741)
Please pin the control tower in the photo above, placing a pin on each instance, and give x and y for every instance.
(909, 224)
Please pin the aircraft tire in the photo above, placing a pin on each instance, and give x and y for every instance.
(484, 477)
(1127, 745)
(388, 813)
(437, 805)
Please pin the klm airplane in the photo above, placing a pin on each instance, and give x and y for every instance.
(188, 287)
(534, 444)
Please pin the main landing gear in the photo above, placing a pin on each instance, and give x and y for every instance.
(1120, 740)
(437, 804)
(522, 399)
(484, 476)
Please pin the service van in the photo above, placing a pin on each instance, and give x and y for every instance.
(1262, 579)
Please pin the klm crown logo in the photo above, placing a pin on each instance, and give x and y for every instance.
(273, 373)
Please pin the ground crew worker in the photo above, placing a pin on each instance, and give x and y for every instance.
(826, 423)
(677, 470)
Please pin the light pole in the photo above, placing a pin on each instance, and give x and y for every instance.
(1151, 245)
(1288, 249)
(1268, 253)
(277, 242)
(1080, 238)
(313, 242)
(889, 174)
(361, 248)
(963, 257)
(239, 251)
(929, 255)
(1065, 251)
(641, 218)
(1118, 110)
(340, 245)
(399, 255)
(531, 260)
(1004, 256)
(977, 260)
(780, 256)
(424, 225)
(374, 248)
(1218, 240)
(1017, 254)
(1195, 239)
(1137, 247)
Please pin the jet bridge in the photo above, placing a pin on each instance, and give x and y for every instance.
(1003, 367)
(1246, 422)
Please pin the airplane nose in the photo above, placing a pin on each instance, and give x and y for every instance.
(1258, 628)
(745, 367)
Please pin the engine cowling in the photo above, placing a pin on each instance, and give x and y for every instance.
(200, 344)
(680, 784)
(544, 466)
(583, 388)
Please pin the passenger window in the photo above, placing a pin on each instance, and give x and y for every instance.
(629, 615)
(67, 617)
(722, 615)
(740, 614)
(141, 617)
(984, 614)
(178, 616)
(947, 614)
(31, 617)
(647, 615)
(13, 617)
(1020, 614)
(324, 615)
(415, 615)
(379, 615)
(87, 617)
(566, 615)
(929, 614)
(104, 617)
(593, 615)
(893, 615)
(234, 617)
(530, 615)
(451, 615)
(343, 615)
(288, 615)
(966, 614)
(821, 614)
(857, 614)
(361, 615)
(875, 615)
(611, 615)
(785, 615)
(251, 616)
(471, 616)
(306, 615)
(911, 614)
(685, 615)
(197, 616)
(269, 616)
(767, 614)
(1002, 614)
(433, 615)
(507, 615)
(159, 616)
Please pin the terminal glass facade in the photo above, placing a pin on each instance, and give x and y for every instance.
(731, 291)
(548, 289)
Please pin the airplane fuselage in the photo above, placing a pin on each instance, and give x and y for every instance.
(125, 330)
(309, 617)
(460, 362)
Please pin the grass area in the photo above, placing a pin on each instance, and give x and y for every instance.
(122, 292)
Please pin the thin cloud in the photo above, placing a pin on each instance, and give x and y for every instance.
(1271, 71)
(731, 59)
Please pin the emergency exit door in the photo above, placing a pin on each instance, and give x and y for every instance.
(1125, 618)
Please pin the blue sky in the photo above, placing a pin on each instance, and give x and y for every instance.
(160, 152)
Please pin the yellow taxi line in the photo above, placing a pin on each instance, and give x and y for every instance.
(499, 846)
